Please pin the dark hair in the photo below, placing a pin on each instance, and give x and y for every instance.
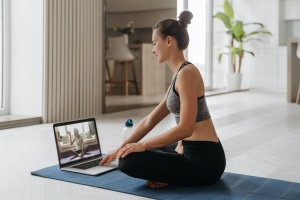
(176, 29)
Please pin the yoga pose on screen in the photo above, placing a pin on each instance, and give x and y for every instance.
(78, 139)
(189, 153)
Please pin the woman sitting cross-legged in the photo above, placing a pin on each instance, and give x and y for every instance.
(189, 153)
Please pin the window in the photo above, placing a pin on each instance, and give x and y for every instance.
(4, 50)
(1, 56)
(200, 30)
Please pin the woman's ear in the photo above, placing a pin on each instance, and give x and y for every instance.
(169, 40)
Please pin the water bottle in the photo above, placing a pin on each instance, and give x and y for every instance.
(127, 130)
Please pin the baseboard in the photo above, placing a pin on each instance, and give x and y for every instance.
(12, 121)
(223, 91)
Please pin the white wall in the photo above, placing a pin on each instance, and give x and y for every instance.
(291, 9)
(268, 69)
(220, 41)
(26, 57)
(290, 19)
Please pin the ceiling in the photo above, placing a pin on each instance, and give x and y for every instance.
(139, 5)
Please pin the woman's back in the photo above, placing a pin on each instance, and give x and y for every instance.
(204, 129)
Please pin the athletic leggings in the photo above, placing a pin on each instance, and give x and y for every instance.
(202, 163)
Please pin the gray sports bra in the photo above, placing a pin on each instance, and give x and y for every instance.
(173, 102)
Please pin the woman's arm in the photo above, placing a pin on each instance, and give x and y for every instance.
(71, 138)
(148, 123)
(82, 146)
(142, 129)
(187, 84)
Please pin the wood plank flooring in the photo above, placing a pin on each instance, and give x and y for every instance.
(259, 130)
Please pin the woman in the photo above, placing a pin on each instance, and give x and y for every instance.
(198, 158)
(78, 139)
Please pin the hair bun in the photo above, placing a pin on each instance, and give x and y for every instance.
(185, 18)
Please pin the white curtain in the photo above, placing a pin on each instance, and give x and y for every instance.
(72, 59)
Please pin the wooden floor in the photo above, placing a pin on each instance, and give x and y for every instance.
(259, 130)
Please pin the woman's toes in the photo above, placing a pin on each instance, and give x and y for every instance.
(149, 183)
(156, 184)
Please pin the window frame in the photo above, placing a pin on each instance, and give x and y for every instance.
(209, 38)
(5, 56)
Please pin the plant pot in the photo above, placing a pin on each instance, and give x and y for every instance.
(234, 81)
(125, 36)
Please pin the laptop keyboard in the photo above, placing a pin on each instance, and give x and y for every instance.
(88, 165)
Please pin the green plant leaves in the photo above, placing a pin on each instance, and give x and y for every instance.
(224, 18)
(257, 32)
(238, 31)
(220, 57)
(250, 52)
(235, 28)
(255, 23)
(228, 9)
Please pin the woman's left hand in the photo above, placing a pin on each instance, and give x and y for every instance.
(130, 148)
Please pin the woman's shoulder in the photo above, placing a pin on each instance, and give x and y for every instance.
(189, 71)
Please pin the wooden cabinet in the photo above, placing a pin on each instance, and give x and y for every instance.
(293, 70)
(151, 75)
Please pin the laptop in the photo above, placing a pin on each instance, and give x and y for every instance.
(78, 147)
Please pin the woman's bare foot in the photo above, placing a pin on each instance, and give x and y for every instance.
(156, 184)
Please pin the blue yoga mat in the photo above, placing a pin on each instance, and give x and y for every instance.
(231, 186)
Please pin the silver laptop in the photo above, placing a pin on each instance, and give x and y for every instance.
(78, 147)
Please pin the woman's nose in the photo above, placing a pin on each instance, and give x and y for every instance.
(153, 51)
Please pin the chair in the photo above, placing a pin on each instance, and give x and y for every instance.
(123, 57)
(298, 95)
(107, 58)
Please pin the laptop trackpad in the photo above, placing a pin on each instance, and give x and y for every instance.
(114, 164)
(99, 169)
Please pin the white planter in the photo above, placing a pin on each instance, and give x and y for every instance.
(234, 81)
(125, 36)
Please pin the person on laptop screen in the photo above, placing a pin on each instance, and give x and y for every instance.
(78, 139)
(78, 147)
(190, 153)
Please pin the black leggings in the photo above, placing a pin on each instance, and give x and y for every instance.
(202, 163)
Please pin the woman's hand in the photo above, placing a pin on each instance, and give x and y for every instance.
(110, 156)
(130, 148)
(179, 147)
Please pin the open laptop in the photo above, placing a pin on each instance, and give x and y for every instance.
(78, 147)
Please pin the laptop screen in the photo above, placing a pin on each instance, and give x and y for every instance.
(76, 141)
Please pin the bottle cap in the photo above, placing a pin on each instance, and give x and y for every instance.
(128, 123)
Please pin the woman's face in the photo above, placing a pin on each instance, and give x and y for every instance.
(160, 46)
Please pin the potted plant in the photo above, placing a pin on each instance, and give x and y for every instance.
(235, 28)
(126, 30)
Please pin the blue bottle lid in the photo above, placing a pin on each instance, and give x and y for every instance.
(128, 123)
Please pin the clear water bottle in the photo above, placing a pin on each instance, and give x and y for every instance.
(127, 130)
